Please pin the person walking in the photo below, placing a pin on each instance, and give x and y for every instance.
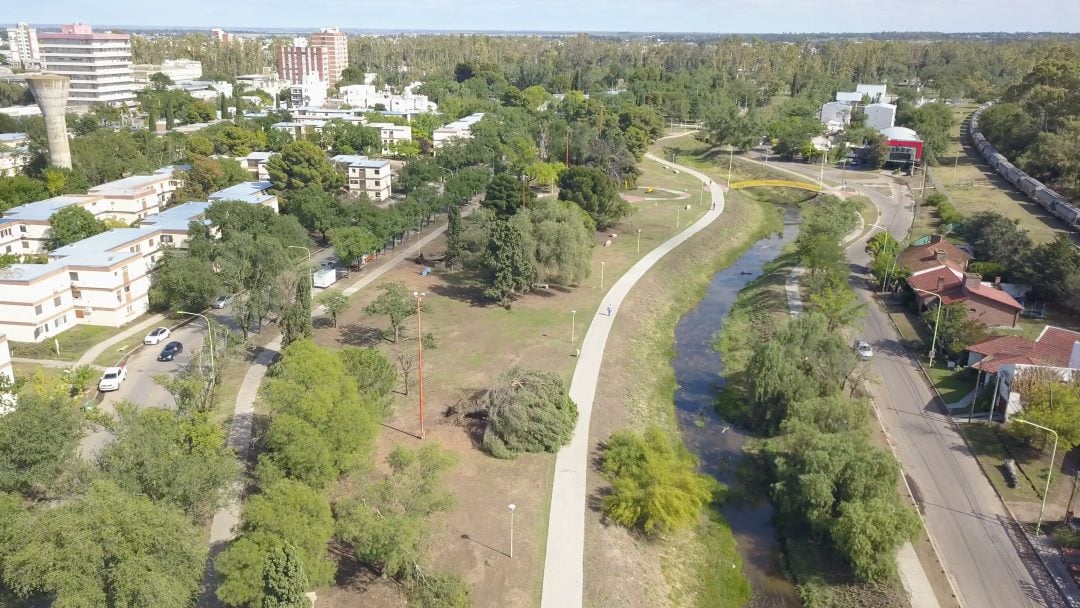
(609, 310)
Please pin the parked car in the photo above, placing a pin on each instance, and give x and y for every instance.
(222, 301)
(863, 350)
(157, 336)
(170, 351)
(111, 379)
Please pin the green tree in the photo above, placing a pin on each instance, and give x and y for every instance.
(955, 331)
(335, 303)
(208, 175)
(183, 282)
(504, 194)
(510, 269)
(234, 140)
(296, 309)
(528, 411)
(284, 581)
(296, 450)
(199, 145)
(20, 189)
(870, 532)
(316, 209)
(997, 238)
(395, 303)
(37, 442)
(301, 164)
(71, 224)
(374, 374)
(1051, 402)
(353, 243)
(840, 306)
(560, 238)
(592, 190)
(545, 173)
(107, 548)
(386, 522)
(455, 249)
(655, 486)
(171, 458)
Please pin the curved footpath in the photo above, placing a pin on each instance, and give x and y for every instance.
(564, 560)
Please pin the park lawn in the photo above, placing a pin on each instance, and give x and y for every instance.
(73, 342)
(992, 446)
(714, 162)
(112, 355)
(952, 384)
(973, 186)
(475, 341)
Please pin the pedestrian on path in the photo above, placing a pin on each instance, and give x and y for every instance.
(609, 310)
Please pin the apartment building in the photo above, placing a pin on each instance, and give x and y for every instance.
(367, 96)
(24, 229)
(178, 70)
(335, 45)
(459, 129)
(14, 153)
(370, 176)
(301, 59)
(99, 65)
(255, 193)
(23, 42)
(255, 164)
(390, 134)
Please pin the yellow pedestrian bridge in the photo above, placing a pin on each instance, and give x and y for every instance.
(775, 183)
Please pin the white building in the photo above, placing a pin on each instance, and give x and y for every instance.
(23, 43)
(367, 97)
(876, 92)
(311, 92)
(370, 176)
(99, 65)
(836, 115)
(178, 70)
(255, 193)
(459, 129)
(848, 97)
(390, 134)
(14, 153)
(255, 164)
(880, 116)
(268, 81)
(307, 120)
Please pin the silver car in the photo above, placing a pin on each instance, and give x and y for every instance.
(863, 350)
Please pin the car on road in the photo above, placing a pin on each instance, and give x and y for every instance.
(863, 350)
(157, 336)
(111, 379)
(222, 301)
(170, 351)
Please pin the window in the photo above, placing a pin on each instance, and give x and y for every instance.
(166, 238)
(74, 276)
(38, 331)
(118, 298)
(25, 245)
(22, 228)
(151, 242)
(56, 301)
(376, 183)
(127, 288)
(37, 309)
(76, 294)
(56, 323)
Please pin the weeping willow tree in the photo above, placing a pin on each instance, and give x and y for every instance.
(528, 411)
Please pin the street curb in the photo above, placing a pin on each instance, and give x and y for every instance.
(937, 396)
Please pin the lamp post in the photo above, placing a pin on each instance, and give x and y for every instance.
(892, 267)
(602, 276)
(311, 293)
(821, 175)
(730, 161)
(1049, 473)
(937, 319)
(678, 210)
(209, 333)
(573, 325)
(512, 508)
(639, 240)
(420, 357)
(843, 174)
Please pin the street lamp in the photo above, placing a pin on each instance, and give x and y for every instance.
(420, 357)
(937, 319)
(678, 210)
(311, 293)
(730, 161)
(821, 176)
(602, 276)
(512, 508)
(209, 332)
(1049, 473)
(573, 325)
(892, 267)
(639, 240)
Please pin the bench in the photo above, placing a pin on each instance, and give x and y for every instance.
(540, 286)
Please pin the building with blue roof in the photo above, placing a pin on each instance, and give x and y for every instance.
(255, 193)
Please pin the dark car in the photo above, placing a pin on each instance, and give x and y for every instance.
(170, 351)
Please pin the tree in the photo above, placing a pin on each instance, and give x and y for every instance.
(545, 173)
(234, 140)
(61, 180)
(592, 190)
(996, 238)
(1048, 400)
(351, 244)
(20, 189)
(199, 145)
(955, 331)
(840, 306)
(455, 249)
(37, 442)
(296, 450)
(316, 209)
(655, 486)
(504, 194)
(374, 374)
(284, 581)
(510, 269)
(183, 282)
(107, 548)
(386, 521)
(301, 164)
(870, 532)
(296, 310)
(208, 175)
(71, 224)
(394, 302)
(559, 238)
(335, 303)
(170, 457)
(286, 512)
(528, 411)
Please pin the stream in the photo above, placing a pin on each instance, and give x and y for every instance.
(717, 443)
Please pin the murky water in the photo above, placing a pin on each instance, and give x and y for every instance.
(716, 442)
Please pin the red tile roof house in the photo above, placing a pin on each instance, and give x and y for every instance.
(938, 268)
(1001, 358)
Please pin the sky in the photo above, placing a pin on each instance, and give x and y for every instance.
(710, 16)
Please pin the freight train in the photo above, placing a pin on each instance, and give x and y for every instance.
(1050, 200)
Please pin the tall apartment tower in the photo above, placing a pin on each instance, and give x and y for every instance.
(325, 55)
(219, 35)
(23, 41)
(99, 65)
(335, 46)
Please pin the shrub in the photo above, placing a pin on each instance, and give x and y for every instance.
(528, 411)
(655, 486)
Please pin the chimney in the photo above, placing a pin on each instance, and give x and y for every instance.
(972, 281)
(997, 282)
(939, 254)
(935, 238)
(940, 284)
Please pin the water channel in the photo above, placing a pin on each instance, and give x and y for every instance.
(717, 443)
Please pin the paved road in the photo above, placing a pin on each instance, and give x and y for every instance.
(564, 560)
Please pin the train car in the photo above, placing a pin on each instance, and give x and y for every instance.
(1029, 185)
(1068, 214)
(1047, 198)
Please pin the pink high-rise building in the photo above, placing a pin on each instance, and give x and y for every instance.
(99, 65)
(325, 55)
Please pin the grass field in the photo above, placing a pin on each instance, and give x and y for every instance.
(73, 342)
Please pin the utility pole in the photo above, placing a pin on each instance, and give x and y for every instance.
(730, 160)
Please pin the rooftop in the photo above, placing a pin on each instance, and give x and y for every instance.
(358, 160)
(103, 242)
(135, 182)
(923, 257)
(901, 133)
(241, 191)
(1053, 348)
(176, 218)
(28, 272)
(43, 210)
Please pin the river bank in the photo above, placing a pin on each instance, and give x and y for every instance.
(637, 386)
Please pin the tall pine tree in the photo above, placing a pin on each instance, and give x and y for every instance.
(512, 270)
(296, 321)
(455, 247)
(284, 581)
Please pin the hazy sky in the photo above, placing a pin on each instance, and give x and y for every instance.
(724, 16)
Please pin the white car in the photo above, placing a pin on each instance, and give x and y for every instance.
(111, 379)
(157, 335)
(863, 350)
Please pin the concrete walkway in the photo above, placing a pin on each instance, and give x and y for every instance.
(564, 560)
(791, 288)
(95, 351)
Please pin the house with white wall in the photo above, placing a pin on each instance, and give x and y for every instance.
(370, 176)
(255, 193)
(1000, 360)
(255, 164)
(459, 129)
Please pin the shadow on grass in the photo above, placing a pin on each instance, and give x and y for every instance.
(462, 286)
(360, 335)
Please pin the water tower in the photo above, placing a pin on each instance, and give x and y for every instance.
(51, 93)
